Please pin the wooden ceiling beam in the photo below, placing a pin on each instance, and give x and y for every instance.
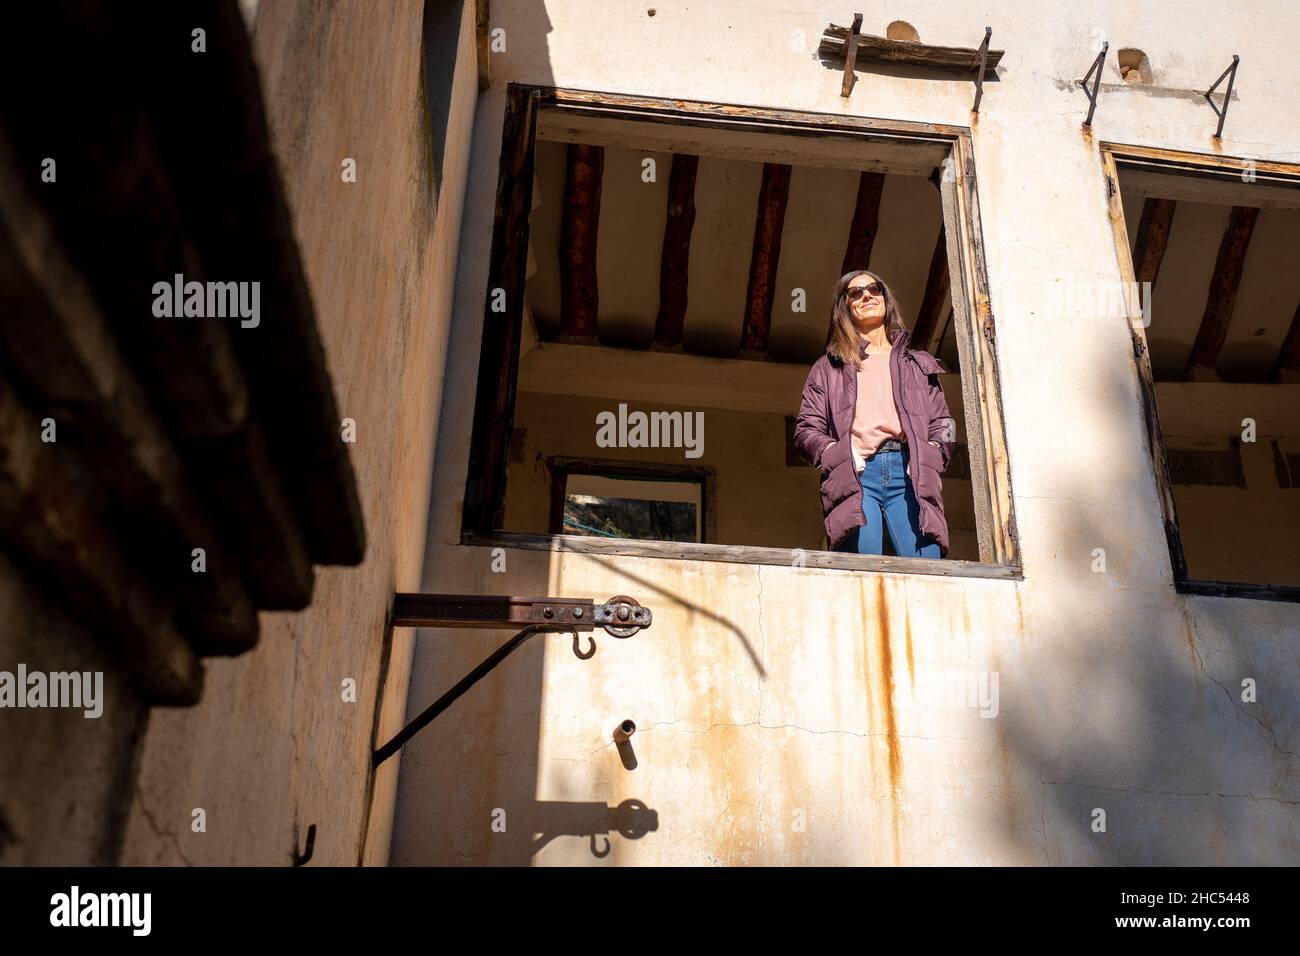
(676, 256)
(936, 305)
(1151, 241)
(1222, 296)
(1287, 369)
(866, 222)
(579, 295)
(773, 196)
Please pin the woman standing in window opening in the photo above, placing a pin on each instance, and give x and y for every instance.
(874, 420)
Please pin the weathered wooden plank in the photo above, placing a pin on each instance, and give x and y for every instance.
(773, 195)
(835, 44)
(740, 554)
(865, 224)
(499, 350)
(757, 141)
(1222, 295)
(1257, 592)
(1213, 185)
(976, 345)
(1201, 164)
(650, 109)
(674, 261)
(1145, 377)
(961, 285)
(580, 221)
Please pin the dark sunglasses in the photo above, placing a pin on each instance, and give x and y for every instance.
(858, 291)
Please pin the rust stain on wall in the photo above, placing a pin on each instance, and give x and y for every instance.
(1019, 618)
(1191, 647)
(911, 664)
(891, 726)
(866, 657)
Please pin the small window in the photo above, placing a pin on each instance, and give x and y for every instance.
(1207, 248)
(610, 506)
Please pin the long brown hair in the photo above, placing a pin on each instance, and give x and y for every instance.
(842, 337)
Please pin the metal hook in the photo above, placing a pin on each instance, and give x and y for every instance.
(598, 853)
(300, 858)
(579, 653)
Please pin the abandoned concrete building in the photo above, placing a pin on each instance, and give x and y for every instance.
(541, 282)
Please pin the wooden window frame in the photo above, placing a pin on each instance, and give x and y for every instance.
(1222, 170)
(896, 145)
(561, 467)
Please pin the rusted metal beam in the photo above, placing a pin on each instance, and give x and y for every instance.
(487, 610)
(1231, 74)
(1151, 241)
(936, 305)
(866, 222)
(1094, 74)
(674, 261)
(1222, 296)
(621, 616)
(773, 196)
(579, 292)
(851, 55)
(982, 68)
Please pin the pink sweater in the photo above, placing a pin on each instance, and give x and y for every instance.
(875, 419)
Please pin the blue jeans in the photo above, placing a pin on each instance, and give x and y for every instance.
(887, 491)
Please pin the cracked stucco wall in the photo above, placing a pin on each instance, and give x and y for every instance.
(776, 720)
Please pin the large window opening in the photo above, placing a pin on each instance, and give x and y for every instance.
(661, 284)
(1209, 246)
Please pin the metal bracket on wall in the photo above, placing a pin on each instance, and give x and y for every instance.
(1231, 74)
(979, 77)
(620, 616)
(1096, 82)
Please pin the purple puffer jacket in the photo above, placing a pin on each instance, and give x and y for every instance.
(830, 398)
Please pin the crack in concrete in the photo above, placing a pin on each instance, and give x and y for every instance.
(1200, 660)
(159, 831)
(1167, 793)
(806, 730)
(763, 631)
(1047, 858)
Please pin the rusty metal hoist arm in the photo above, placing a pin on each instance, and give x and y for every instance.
(620, 616)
